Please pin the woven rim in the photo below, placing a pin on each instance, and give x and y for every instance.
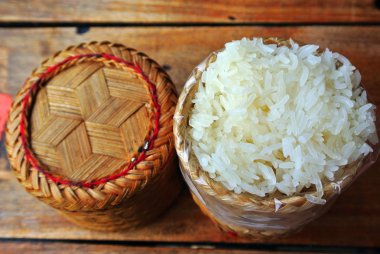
(202, 181)
(145, 165)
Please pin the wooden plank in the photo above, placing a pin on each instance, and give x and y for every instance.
(3, 69)
(180, 49)
(194, 11)
(353, 221)
(63, 248)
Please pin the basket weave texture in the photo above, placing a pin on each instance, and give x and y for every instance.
(246, 214)
(90, 133)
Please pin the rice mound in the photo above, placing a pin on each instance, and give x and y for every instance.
(269, 118)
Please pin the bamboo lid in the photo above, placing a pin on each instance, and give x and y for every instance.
(90, 120)
(93, 123)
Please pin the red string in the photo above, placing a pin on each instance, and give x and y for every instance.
(36, 85)
(232, 234)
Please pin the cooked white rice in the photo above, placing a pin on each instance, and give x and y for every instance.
(270, 118)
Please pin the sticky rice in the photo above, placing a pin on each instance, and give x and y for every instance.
(270, 118)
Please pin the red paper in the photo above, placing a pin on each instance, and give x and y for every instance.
(5, 104)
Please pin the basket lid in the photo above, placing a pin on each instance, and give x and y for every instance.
(93, 114)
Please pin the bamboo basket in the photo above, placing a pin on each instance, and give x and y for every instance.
(90, 134)
(246, 214)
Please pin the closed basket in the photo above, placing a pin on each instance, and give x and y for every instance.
(246, 214)
(90, 134)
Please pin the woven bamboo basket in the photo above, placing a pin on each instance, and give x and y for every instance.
(246, 214)
(90, 134)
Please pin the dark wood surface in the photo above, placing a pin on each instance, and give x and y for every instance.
(349, 27)
(36, 247)
(190, 11)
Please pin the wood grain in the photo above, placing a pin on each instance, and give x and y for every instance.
(353, 221)
(63, 248)
(181, 48)
(193, 11)
(3, 69)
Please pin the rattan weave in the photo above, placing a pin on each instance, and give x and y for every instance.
(90, 133)
(224, 206)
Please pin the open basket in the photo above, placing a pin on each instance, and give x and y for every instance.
(90, 134)
(246, 214)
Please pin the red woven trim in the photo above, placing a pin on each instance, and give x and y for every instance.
(30, 157)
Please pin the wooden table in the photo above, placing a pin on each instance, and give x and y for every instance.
(179, 34)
